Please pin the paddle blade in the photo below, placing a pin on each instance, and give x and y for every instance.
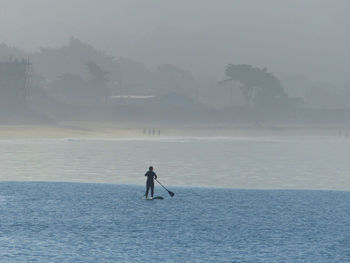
(171, 193)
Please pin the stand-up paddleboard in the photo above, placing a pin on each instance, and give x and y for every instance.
(155, 198)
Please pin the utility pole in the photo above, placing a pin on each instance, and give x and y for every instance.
(231, 92)
(28, 74)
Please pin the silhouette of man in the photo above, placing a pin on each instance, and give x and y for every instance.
(150, 181)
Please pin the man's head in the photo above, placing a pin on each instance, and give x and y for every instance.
(150, 168)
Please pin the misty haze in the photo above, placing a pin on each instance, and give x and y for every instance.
(174, 131)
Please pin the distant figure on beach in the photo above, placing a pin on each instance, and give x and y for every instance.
(150, 181)
(159, 132)
(153, 132)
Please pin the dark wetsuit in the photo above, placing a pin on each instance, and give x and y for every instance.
(150, 183)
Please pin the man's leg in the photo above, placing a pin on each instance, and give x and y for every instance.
(147, 188)
(152, 189)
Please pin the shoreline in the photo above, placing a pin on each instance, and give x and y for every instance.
(26, 151)
(161, 131)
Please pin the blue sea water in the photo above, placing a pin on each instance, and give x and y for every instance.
(74, 222)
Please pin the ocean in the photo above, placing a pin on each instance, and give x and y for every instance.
(236, 200)
(73, 222)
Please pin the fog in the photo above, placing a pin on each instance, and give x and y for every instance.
(288, 37)
(183, 61)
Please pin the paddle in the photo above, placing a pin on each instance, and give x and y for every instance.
(169, 192)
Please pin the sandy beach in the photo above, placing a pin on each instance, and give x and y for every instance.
(131, 130)
(239, 157)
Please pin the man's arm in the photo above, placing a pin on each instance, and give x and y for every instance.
(155, 176)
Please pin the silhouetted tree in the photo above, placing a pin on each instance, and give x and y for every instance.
(258, 86)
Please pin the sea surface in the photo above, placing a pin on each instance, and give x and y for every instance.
(282, 199)
(72, 222)
(248, 163)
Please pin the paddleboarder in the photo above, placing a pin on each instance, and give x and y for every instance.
(150, 181)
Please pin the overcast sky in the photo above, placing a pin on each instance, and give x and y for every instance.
(289, 37)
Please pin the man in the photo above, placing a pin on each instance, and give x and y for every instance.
(150, 182)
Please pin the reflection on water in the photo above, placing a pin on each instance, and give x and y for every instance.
(285, 163)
